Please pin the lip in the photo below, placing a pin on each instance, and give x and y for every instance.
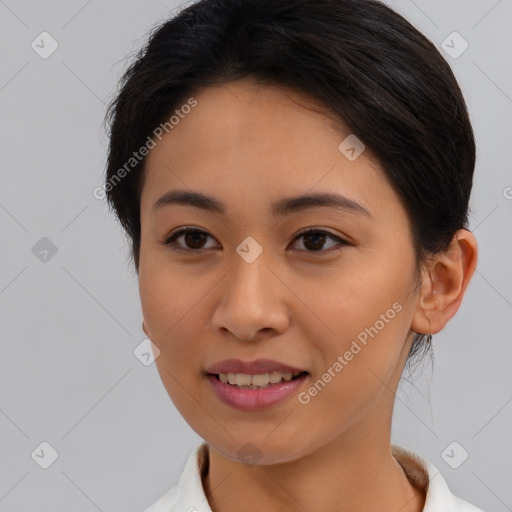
(255, 399)
(255, 367)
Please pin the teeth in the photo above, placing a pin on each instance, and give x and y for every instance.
(259, 380)
(241, 379)
(275, 377)
(262, 380)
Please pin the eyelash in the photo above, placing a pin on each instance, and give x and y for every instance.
(170, 241)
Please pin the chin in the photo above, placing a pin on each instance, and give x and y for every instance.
(262, 452)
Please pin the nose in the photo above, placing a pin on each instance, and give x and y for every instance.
(253, 301)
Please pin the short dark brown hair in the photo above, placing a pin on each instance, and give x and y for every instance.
(369, 66)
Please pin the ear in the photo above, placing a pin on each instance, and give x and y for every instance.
(444, 283)
(144, 328)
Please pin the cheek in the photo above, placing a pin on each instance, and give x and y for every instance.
(171, 319)
(364, 320)
(173, 306)
(349, 301)
(167, 299)
(357, 364)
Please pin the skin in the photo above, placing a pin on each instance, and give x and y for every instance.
(248, 145)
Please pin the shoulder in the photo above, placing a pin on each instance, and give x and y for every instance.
(424, 474)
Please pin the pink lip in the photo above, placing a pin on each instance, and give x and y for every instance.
(255, 367)
(254, 399)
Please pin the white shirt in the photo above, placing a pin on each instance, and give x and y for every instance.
(188, 495)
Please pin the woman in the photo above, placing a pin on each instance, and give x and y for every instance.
(294, 179)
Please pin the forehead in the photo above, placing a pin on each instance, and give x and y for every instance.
(245, 139)
(246, 113)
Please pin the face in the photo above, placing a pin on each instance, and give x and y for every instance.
(248, 284)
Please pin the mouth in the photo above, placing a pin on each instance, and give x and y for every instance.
(256, 391)
(257, 381)
(254, 385)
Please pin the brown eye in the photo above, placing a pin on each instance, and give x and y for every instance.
(193, 240)
(314, 240)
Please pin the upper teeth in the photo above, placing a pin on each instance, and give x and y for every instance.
(260, 380)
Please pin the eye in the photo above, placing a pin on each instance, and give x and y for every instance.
(193, 238)
(315, 240)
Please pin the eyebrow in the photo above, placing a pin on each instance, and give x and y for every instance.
(280, 208)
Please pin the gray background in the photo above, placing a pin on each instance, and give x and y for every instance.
(70, 324)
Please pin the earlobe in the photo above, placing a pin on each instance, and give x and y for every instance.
(444, 283)
(144, 328)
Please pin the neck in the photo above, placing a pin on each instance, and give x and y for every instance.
(342, 475)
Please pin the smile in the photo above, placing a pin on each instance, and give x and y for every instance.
(251, 397)
(262, 380)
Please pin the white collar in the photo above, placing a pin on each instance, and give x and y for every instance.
(188, 495)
